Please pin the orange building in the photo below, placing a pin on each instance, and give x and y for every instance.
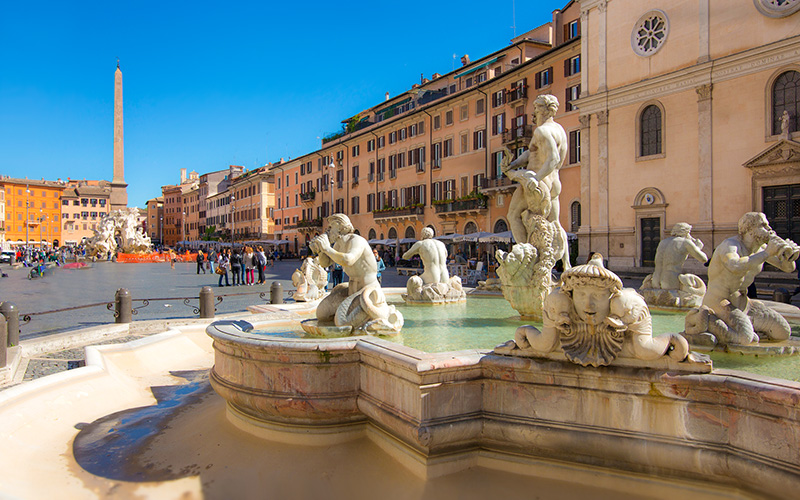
(32, 211)
(430, 156)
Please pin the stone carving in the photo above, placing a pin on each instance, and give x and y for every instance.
(118, 231)
(533, 214)
(785, 124)
(435, 286)
(593, 321)
(358, 306)
(727, 316)
(309, 281)
(667, 286)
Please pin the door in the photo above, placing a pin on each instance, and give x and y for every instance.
(782, 208)
(651, 236)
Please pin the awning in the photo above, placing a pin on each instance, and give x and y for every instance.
(405, 241)
(447, 237)
(476, 68)
(473, 237)
(505, 237)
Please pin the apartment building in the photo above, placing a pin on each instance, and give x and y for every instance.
(431, 156)
(155, 219)
(210, 184)
(252, 199)
(32, 211)
(191, 213)
(83, 205)
(175, 229)
(682, 120)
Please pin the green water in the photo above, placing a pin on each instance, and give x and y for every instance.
(485, 322)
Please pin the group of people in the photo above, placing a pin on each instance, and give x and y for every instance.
(247, 266)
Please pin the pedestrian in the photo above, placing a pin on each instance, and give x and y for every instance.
(236, 267)
(261, 262)
(249, 265)
(171, 257)
(381, 265)
(201, 260)
(338, 274)
(212, 259)
(223, 264)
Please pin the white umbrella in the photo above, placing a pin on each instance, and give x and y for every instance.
(473, 236)
(447, 237)
(505, 237)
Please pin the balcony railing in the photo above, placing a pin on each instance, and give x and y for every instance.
(496, 183)
(516, 93)
(421, 166)
(308, 196)
(398, 212)
(309, 223)
(460, 205)
(517, 133)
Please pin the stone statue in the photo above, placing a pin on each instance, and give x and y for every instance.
(727, 316)
(593, 320)
(309, 281)
(785, 124)
(435, 286)
(667, 286)
(533, 213)
(358, 306)
(119, 231)
(540, 185)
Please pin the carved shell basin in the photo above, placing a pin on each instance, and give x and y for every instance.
(589, 345)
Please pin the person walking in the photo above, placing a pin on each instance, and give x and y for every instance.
(212, 259)
(224, 264)
(236, 267)
(381, 265)
(249, 265)
(171, 256)
(261, 262)
(201, 260)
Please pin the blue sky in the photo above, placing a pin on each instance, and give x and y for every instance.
(208, 84)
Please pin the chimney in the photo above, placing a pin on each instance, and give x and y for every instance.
(465, 59)
(387, 97)
(183, 175)
(435, 76)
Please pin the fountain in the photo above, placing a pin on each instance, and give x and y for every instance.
(119, 231)
(435, 286)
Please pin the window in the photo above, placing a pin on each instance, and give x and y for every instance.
(481, 78)
(447, 148)
(437, 122)
(355, 174)
(452, 89)
(572, 66)
(571, 30)
(468, 83)
(436, 155)
(392, 137)
(574, 146)
(480, 107)
(786, 97)
(464, 144)
(498, 123)
(544, 78)
(381, 168)
(370, 202)
(381, 142)
(354, 151)
(371, 145)
(65, 202)
(448, 117)
(650, 131)
(479, 139)
(421, 128)
(354, 205)
(477, 182)
(402, 135)
(499, 98)
(371, 177)
(572, 95)
(650, 33)
(464, 112)
(575, 216)
(412, 130)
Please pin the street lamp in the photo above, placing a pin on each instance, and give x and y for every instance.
(183, 227)
(333, 171)
(42, 218)
(161, 231)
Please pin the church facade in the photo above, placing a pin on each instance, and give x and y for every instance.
(688, 113)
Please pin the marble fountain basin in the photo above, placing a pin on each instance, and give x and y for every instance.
(722, 431)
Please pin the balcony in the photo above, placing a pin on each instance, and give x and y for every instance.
(460, 207)
(522, 133)
(517, 93)
(309, 225)
(309, 196)
(397, 214)
(497, 185)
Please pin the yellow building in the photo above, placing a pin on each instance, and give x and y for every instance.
(32, 211)
(83, 205)
(681, 114)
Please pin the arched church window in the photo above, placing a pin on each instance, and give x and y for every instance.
(786, 97)
(575, 216)
(650, 131)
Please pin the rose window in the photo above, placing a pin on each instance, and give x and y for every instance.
(650, 33)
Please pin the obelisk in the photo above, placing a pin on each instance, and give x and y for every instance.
(119, 190)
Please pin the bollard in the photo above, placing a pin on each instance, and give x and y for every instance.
(11, 313)
(13, 259)
(782, 295)
(3, 342)
(123, 301)
(206, 302)
(276, 293)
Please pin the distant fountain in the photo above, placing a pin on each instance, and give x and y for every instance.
(119, 231)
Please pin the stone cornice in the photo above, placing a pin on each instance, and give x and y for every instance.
(785, 151)
(718, 70)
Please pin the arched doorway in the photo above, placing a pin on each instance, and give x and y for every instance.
(500, 226)
(392, 234)
(371, 234)
(470, 227)
(410, 232)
